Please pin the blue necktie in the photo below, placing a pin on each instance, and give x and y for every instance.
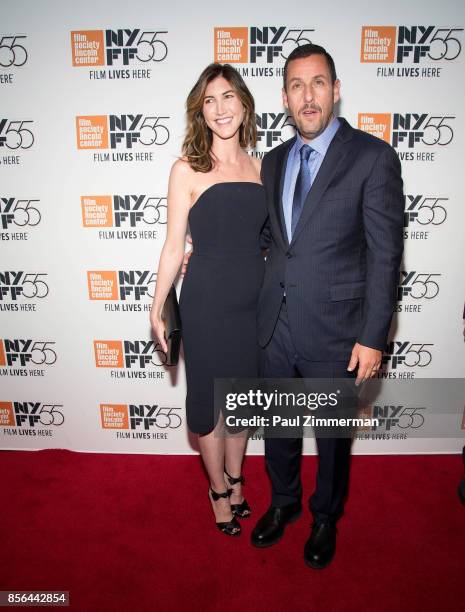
(302, 186)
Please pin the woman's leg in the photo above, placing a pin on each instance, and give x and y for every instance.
(212, 449)
(235, 445)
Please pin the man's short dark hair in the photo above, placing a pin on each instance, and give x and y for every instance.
(307, 51)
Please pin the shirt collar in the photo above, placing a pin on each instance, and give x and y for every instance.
(321, 143)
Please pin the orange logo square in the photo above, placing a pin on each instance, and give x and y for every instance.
(7, 417)
(376, 124)
(463, 419)
(378, 44)
(92, 132)
(102, 285)
(87, 48)
(231, 45)
(97, 211)
(114, 416)
(108, 353)
(2, 354)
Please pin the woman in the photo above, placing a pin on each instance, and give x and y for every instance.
(216, 189)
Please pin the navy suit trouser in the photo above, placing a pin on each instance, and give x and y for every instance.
(279, 359)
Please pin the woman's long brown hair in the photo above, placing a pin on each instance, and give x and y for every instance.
(197, 143)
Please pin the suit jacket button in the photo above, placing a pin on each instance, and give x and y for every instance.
(289, 255)
(281, 284)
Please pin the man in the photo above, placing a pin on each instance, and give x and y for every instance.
(335, 245)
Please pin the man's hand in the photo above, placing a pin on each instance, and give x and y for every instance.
(187, 255)
(368, 360)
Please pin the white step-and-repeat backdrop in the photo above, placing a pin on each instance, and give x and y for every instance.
(92, 118)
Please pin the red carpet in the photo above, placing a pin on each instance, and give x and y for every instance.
(136, 532)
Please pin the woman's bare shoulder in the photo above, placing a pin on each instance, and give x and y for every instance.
(182, 169)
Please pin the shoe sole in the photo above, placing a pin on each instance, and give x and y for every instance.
(317, 567)
(462, 499)
(293, 518)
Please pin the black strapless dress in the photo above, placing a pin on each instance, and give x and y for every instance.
(219, 294)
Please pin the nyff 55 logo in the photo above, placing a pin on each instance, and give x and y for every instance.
(138, 416)
(121, 284)
(117, 47)
(113, 131)
(30, 414)
(128, 354)
(123, 210)
(14, 136)
(400, 353)
(273, 128)
(409, 129)
(16, 284)
(18, 212)
(264, 44)
(424, 210)
(391, 418)
(22, 352)
(12, 53)
(396, 44)
(417, 286)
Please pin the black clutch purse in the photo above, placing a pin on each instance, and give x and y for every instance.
(172, 318)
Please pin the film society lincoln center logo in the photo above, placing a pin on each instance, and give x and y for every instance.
(128, 212)
(118, 54)
(263, 48)
(413, 45)
(130, 358)
(416, 136)
(122, 285)
(121, 132)
(31, 414)
(139, 418)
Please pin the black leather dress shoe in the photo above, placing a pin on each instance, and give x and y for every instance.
(321, 545)
(270, 527)
(461, 491)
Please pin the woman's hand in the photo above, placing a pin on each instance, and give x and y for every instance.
(158, 326)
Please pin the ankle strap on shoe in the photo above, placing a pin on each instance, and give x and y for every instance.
(216, 496)
(233, 481)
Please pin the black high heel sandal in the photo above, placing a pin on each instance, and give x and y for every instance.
(231, 527)
(241, 510)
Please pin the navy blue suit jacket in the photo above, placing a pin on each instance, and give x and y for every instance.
(341, 270)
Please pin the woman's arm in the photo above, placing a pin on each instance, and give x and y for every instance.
(179, 201)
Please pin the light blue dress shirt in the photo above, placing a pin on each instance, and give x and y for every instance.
(320, 146)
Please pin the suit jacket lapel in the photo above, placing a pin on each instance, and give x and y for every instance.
(335, 155)
(279, 175)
